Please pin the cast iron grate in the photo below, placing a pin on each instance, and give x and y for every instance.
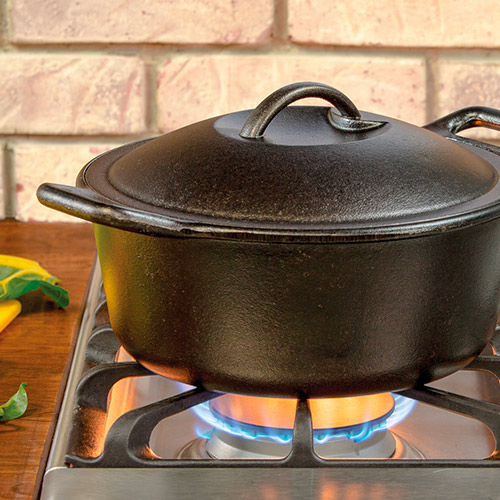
(127, 441)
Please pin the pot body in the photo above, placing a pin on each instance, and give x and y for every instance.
(295, 319)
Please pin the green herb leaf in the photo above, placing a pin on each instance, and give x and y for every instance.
(15, 406)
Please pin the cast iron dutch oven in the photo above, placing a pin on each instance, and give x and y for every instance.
(299, 250)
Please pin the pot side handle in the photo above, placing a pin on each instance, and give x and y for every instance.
(93, 207)
(463, 119)
(82, 203)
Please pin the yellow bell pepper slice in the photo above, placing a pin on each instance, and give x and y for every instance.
(9, 309)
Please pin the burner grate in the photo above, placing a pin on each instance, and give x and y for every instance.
(127, 441)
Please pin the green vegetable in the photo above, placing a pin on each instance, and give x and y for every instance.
(15, 406)
(19, 276)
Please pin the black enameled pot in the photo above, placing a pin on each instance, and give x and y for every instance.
(298, 251)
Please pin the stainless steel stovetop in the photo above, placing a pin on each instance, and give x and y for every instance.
(459, 451)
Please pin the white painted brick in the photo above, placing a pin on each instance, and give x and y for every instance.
(129, 21)
(395, 23)
(69, 94)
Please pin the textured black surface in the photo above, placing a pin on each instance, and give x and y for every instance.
(302, 171)
(294, 319)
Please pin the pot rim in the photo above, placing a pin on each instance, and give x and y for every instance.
(123, 212)
(158, 225)
(115, 213)
(86, 203)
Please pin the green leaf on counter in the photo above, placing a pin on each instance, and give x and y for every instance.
(15, 406)
(19, 276)
(57, 293)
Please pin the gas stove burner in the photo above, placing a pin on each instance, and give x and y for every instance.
(226, 446)
(340, 425)
(121, 428)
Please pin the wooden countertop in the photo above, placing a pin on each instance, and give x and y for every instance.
(35, 347)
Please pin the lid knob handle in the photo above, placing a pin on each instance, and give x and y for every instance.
(348, 121)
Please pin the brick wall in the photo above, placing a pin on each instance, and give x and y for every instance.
(78, 77)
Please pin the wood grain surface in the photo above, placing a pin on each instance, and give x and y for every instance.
(35, 347)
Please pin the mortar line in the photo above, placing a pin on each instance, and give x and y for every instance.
(277, 46)
(151, 97)
(431, 85)
(4, 15)
(9, 182)
(280, 24)
(57, 139)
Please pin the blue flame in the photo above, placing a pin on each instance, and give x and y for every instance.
(357, 433)
(402, 408)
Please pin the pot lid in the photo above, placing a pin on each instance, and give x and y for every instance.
(297, 167)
